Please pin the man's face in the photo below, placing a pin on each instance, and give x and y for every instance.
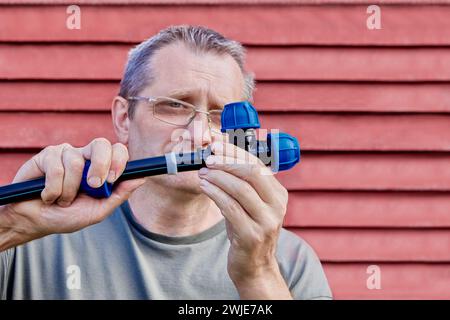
(206, 80)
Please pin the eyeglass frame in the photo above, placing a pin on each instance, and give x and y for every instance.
(154, 99)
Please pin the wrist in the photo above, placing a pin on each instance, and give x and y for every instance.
(9, 237)
(264, 283)
(255, 273)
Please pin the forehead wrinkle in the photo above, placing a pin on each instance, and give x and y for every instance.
(215, 99)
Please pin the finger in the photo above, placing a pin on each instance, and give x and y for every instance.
(54, 175)
(239, 190)
(30, 169)
(118, 161)
(99, 151)
(122, 192)
(73, 163)
(229, 207)
(218, 147)
(266, 185)
(219, 137)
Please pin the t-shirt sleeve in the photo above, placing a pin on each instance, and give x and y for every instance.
(5, 271)
(302, 269)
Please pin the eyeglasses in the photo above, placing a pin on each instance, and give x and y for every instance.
(177, 112)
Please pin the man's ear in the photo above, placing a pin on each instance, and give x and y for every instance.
(120, 118)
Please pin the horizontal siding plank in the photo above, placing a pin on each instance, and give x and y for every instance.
(364, 132)
(292, 25)
(57, 96)
(403, 245)
(353, 97)
(398, 281)
(314, 131)
(369, 171)
(351, 64)
(365, 172)
(43, 129)
(26, 61)
(269, 96)
(245, 2)
(368, 209)
(105, 62)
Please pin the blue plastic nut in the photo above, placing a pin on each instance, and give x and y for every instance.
(239, 115)
(103, 191)
(285, 151)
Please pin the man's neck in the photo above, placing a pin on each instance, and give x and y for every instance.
(181, 214)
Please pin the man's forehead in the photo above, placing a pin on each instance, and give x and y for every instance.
(218, 98)
(179, 71)
(217, 93)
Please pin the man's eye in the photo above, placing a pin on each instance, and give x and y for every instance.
(175, 105)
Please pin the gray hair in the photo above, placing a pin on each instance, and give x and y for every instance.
(138, 73)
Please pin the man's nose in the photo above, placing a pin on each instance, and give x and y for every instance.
(200, 131)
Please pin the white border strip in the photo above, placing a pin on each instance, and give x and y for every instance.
(171, 161)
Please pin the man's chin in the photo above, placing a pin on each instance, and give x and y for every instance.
(183, 181)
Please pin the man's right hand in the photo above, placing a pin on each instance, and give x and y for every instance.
(61, 209)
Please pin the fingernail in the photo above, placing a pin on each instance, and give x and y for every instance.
(209, 160)
(203, 171)
(95, 182)
(111, 176)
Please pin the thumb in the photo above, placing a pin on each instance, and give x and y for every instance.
(121, 193)
(125, 188)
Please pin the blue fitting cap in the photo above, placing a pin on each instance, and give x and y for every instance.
(103, 191)
(285, 151)
(239, 115)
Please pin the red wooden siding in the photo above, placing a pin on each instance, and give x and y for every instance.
(74, 61)
(371, 110)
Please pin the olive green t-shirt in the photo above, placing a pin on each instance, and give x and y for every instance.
(119, 259)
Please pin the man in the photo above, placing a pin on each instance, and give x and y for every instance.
(208, 234)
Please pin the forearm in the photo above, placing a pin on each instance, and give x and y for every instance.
(268, 285)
